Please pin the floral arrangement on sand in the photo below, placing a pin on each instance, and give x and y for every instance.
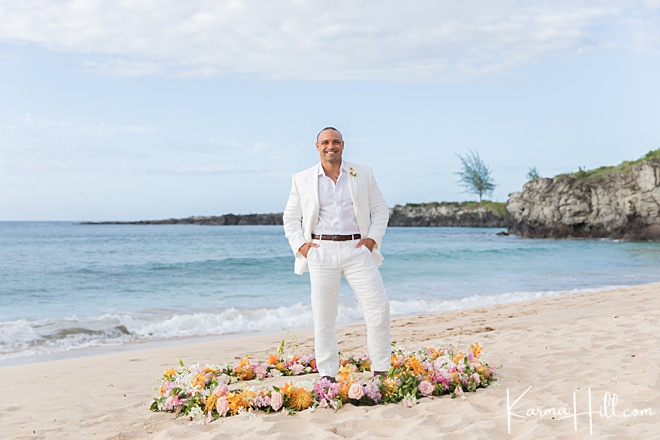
(207, 393)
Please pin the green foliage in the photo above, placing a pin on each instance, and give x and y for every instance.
(499, 208)
(625, 167)
(475, 175)
(533, 174)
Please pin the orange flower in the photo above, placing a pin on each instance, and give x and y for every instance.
(210, 402)
(484, 371)
(247, 375)
(365, 365)
(397, 360)
(169, 374)
(343, 391)
(435, 353)
(345, 372)
(458, 357)
(300, 399)
(273, 359)
(244, 369)
(390, 386)
(287, 389)
(163, 390)
(280, 366)
(476, 349)
(199, 380)
(242, 400)
(415, 366)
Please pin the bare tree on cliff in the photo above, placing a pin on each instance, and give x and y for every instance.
(475, 175)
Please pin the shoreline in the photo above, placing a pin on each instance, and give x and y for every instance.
(460, 305)
(585, 346)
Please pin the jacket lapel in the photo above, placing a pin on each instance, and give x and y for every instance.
(352, 185)
(314, 184)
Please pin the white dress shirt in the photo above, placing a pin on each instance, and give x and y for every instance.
(336, 212)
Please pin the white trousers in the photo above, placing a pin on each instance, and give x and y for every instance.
(327, 263)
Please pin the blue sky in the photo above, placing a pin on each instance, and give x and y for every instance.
(158, 109)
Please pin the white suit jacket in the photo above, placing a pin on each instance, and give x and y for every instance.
(302, 210)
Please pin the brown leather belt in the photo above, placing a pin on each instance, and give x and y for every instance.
(336, 237)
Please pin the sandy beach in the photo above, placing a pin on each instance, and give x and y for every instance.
(592, 354)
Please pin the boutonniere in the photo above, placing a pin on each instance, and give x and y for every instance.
(352, 172)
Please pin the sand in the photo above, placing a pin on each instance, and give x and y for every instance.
(556, 355)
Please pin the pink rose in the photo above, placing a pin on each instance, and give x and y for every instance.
(356, 391)
(260, 371)
(276, 400)
(221, 389)
(222, 406)
(426, 388)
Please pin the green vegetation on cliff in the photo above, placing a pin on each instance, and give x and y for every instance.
(625, 167)
(499, 208)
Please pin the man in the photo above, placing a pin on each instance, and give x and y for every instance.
(335, 219)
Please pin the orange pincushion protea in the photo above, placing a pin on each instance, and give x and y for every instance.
(300, 399)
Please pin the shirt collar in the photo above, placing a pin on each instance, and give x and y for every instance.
(343, 168)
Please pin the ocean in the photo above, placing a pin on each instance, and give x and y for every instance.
(67, 288)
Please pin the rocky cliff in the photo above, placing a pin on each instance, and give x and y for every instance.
(621, 202)
(466, 214)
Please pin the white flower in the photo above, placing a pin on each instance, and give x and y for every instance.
(409, 401)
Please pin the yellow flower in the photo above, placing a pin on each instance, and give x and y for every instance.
(210, 402)
(458, 357)
(390, 386)
(169, 374)
(300, 399)
(346, 372)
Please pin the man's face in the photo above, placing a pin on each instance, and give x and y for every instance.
(330, 146)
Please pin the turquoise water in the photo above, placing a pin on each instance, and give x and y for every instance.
(65, 286)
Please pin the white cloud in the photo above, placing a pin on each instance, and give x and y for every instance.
(89, 128)
(416, 40)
